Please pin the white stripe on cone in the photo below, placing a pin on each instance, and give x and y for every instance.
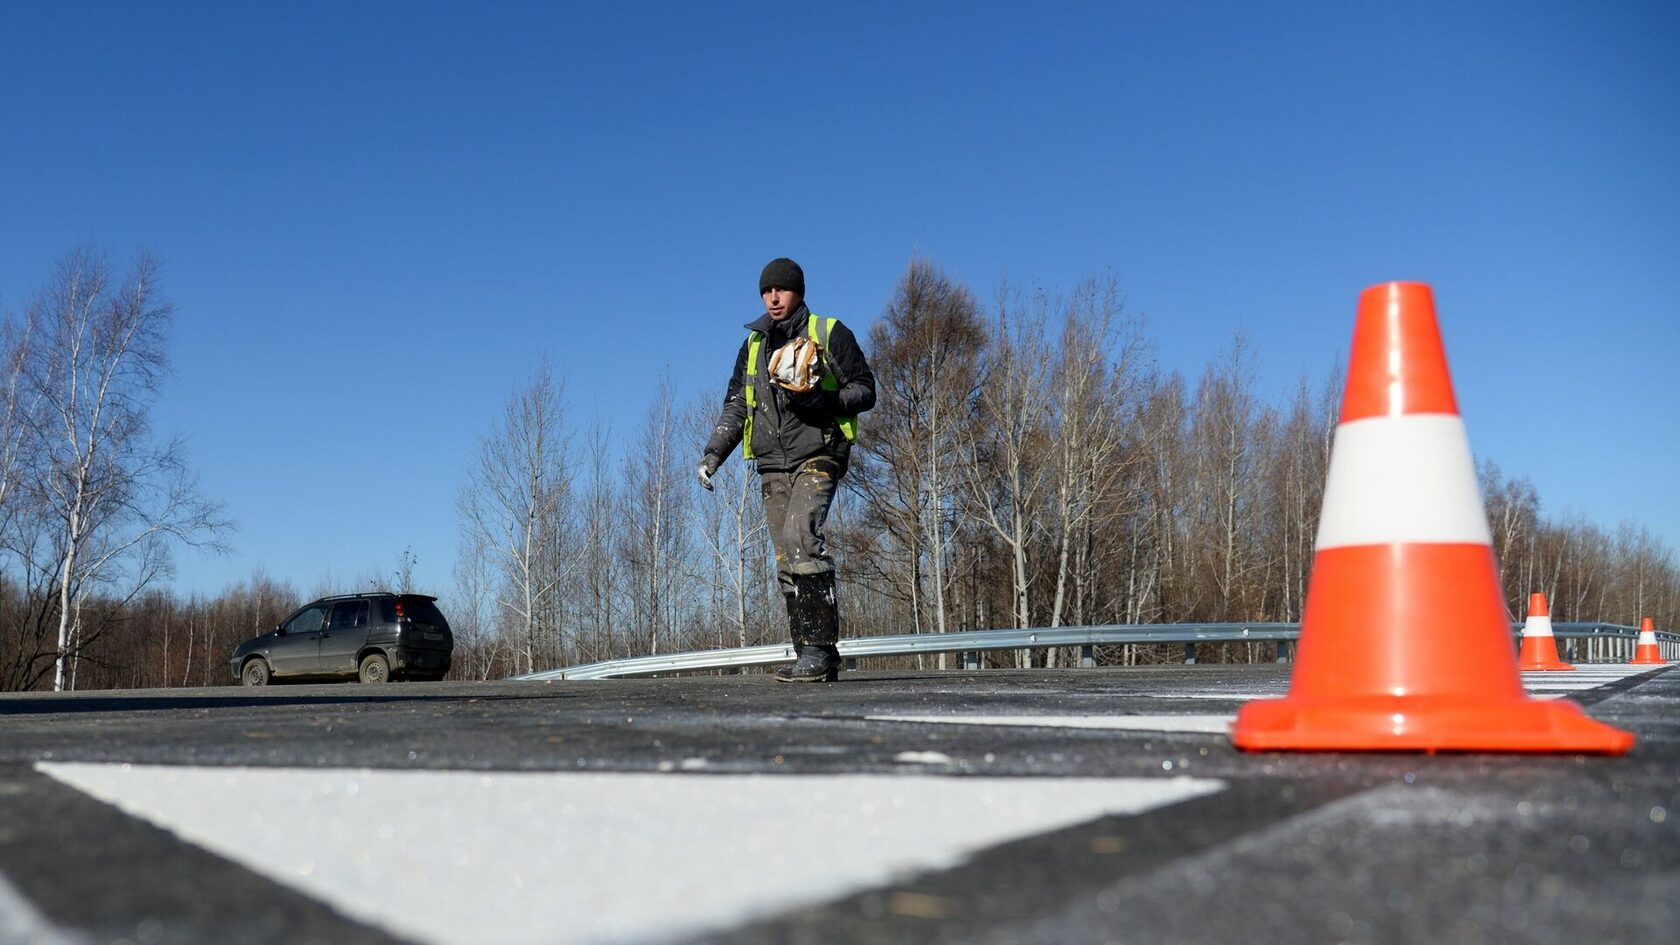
(1405, 479)
(1647, 638)
(1537, 626)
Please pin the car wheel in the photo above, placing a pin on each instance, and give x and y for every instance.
(255, 673)
(375, 669)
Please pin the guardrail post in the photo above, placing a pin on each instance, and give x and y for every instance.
(1189, 652)
(1087, 656)
(1283, 651)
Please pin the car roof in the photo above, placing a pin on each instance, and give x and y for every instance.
(370, 594)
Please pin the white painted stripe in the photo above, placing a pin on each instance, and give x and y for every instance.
(506, 858)
(22, 923)
(1402, 479)
(1233, 696)
(1647, 638)
(1537, 626)
(1196, 724)
(924, 758)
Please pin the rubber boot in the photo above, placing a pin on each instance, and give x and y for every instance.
(794, 632)
(816, 664)
(817, 628)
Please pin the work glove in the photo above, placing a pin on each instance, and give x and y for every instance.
(797, 366)
(708, 468)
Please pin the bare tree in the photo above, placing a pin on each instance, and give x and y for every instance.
(1007, 445)
(927, 348)
(20, 406)
(1297, 487)
(1096, 377)
(600, 568)
(655, 512)
(513, 500)
(731, 527)
(403, 576)
(472, 605)
(1226, 430)
(113, 495)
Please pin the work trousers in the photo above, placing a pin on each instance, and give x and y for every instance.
(796, 506)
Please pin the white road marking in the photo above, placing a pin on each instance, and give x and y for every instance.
(21, 922)
(1549, 684)
(1554, 686)
(1202, 724)
(924, 758)
(525, 857)
(1234, 696)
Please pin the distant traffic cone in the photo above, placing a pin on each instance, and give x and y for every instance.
(1405, 643)
(1647, 651)
(1539, 649)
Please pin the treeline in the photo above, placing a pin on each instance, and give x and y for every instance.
(1028, 463)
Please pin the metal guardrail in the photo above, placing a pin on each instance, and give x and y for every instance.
(977, 641)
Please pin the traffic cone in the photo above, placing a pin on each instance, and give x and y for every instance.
(1405, 642)
(1647, 651)
(1539, 649)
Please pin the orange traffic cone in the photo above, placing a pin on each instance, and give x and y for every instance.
(1405, 642)
(1647, 651)
(1539, 649)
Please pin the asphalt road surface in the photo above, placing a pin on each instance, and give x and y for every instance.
(977, 807)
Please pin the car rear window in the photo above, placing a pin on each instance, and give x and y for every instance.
(422, 610)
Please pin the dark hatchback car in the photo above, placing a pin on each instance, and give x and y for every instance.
(372, 637)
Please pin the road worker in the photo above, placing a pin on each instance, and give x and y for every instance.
(799, 383)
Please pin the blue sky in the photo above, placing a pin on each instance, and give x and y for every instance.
(377, 217)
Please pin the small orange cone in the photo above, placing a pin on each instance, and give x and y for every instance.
(1539, 649)
(1405, 643)
(1647, 651)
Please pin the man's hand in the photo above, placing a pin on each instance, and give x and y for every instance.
(708, 468)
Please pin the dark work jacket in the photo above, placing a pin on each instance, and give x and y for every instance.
(792, 428)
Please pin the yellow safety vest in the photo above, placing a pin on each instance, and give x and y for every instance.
(755, 341)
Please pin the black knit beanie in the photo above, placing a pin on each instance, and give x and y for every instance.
(783, 273)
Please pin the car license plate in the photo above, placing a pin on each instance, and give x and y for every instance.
(433, 636)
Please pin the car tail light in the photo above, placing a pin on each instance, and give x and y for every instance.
(401, 615)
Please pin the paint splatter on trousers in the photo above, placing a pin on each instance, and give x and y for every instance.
(796, 506)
